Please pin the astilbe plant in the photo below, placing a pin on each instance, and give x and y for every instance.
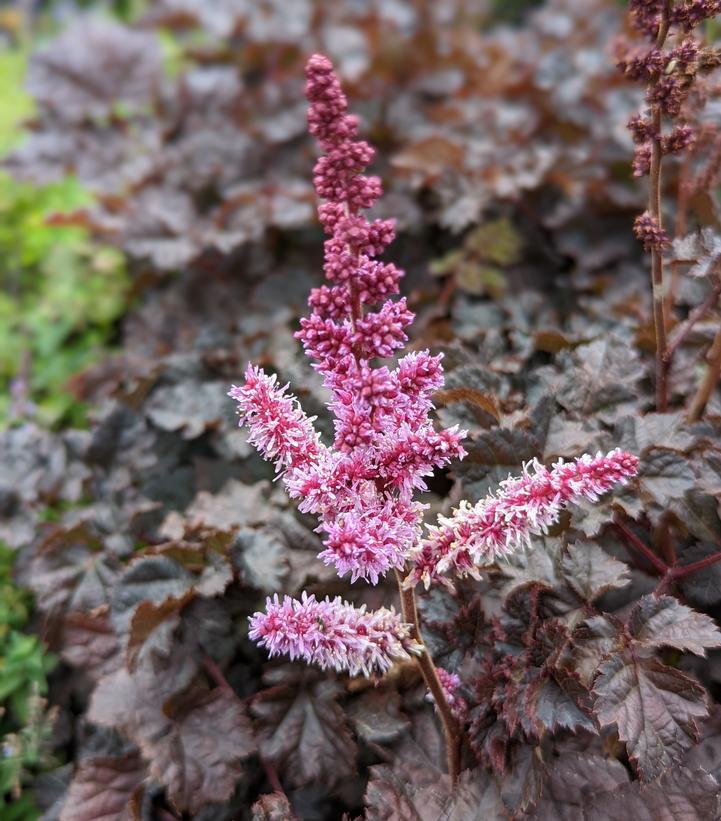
(385, 446)
(669, 66)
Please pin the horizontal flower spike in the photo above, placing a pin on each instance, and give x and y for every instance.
(277, 425)
(333, 634)
(525, 506)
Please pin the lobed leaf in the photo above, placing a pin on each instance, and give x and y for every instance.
(591, 572)
(303, 729)
(105, 789)
(655, 709)
(662, 621)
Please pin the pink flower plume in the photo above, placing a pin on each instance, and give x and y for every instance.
(333, 634)
(505, 521)
(276, 422)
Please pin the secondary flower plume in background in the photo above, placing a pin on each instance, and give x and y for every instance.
(669, 66)
(522, 507)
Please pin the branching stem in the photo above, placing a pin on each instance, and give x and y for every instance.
(698, 313)
(683, 570)
(451, 728)
(668, 572)
(633, 540)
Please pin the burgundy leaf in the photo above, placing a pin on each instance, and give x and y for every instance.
(654, 707)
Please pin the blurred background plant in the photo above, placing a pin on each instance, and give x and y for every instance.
(60, 292)
(26, 723)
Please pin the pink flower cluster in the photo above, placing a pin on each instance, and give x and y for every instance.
(450, 682)
(385, 442)
(333, 634)
(505, 521)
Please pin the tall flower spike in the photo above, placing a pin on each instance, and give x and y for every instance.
(504, 522)
(385, 443)
(333, 634)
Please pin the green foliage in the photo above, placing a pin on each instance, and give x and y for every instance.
(15, 104)
(25, 723)
(512, 11)
(479, 264)
(60, 293)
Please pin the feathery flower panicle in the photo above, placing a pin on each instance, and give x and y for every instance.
(385, 443)
(277, 426)
(333, 634)
(669, 74)
(522, 507)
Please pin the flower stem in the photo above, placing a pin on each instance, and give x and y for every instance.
(633, 540)
(698, 313)
(711, 378)
(451, 728)
(654, 208)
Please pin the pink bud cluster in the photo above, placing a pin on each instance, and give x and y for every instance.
(338, 328)
(505, 521)
(450, 682)
(333, 634)
(649, 231)
(668, 74)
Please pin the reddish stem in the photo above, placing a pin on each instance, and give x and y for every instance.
(654, 208)
(216, 674)
(709, 381)
(681, 571)
(698, 313)
(642, 548)
(668, 551)
(451, 728)
(272, 775)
